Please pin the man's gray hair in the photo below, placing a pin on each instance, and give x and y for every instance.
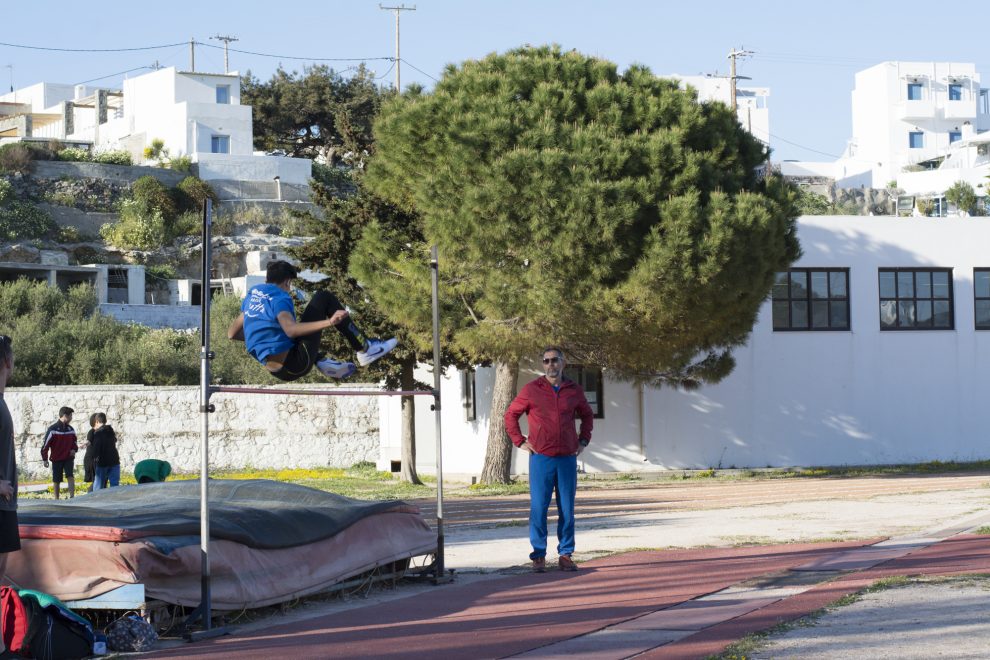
(556, 349)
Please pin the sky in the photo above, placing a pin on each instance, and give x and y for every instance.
(806, 53)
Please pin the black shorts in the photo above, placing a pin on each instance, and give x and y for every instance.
(10, 538)
(65, 467)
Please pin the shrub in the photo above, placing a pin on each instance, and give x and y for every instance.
(16, 157)
(61, 198)
(181, 164)
(192, 192)
(20, 220)
(189, 223)
(73, 154)
(68, 234)
(137, 229)
(962, 195)
(6, 190)
(113, 158)
(152, 195)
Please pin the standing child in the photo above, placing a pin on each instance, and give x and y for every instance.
(105, 457)
(89, 470)
(60, 445)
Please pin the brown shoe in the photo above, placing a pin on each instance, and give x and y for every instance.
(565, 563)
(540, 565)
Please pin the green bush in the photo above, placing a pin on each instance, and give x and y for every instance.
(17, 157)
(137, 229)
(6, 191)
(180, 164)
(962, 196)
(113, 158)
(20, 220)
(153, 195)
(68, 234)
(192, 192)
(74, 154)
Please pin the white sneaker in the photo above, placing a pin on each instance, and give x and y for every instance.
(334, 369)
(376, 349)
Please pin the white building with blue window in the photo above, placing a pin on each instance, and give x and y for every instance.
(196, 115)
(916, 124)
(872, 349)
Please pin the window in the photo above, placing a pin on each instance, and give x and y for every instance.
(913, 299)
(468, 399)
(981, 297)
(914, 91)
(223, 94)
(954, 136)
(955, 92)
(220, 144)
(117, 285)
(811, 299)
(590, 380)
(916, 139)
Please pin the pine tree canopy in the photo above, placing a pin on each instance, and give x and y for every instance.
(607, 212)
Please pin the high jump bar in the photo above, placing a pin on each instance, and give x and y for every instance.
(263, 390)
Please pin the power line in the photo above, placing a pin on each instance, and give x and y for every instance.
(119, 73)
(795, 144)
(421, 71)
(91, 50)
(295, 57)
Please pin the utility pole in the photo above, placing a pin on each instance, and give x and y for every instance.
(11, 67)
(192, 54)
(733, 55)
(400, 8)
(226, 42)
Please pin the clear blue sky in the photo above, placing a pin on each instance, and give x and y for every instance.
(806, 52)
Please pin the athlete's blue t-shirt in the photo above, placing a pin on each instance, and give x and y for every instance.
(263, 336)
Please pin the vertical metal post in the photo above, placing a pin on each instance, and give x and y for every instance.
(205, 409)
(434, 270)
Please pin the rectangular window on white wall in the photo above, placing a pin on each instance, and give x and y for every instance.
(590, 380)
(468, 400)
(955, 92)
(220, 144)
(811, 299)
(916, 139)
(914, 91)
(955, 136)
(981, 297)
(916, 299)
(223, 94)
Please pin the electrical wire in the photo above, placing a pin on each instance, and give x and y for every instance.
(119, 73)
(386, 72)
(92, 50)
(795, 144)
(418, 69)
(295, 57)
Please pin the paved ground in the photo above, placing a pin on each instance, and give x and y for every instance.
(841, 535)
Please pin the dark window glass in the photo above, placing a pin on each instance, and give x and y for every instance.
(915, 299)
(955, 92)
(981, 297)
(811, 299)
(590, 380)
(914, 91)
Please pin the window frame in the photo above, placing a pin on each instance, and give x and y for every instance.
(955, 136)
(219, 139)
(976, 298)
(897, 299)
(226, 90)
(598, 408)
(829, 299)
(920, 136)
(469, 398)
(915, 87)
(958, 89)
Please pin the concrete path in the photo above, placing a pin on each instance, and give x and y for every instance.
(683, 603)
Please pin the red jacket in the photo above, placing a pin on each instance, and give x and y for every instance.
(551, 417)
(60, 442)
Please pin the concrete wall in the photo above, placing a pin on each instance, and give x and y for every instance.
(293, 171)
(51, 169)
(264, 431)
(163, 314)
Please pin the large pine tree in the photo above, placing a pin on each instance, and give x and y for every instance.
(607, 212)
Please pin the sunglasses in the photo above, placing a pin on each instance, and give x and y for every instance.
(551, 360)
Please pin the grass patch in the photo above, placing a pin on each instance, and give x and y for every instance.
(485, 490)
(984, 531)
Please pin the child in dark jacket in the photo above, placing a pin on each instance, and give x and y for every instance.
(89, 470)
(106, 460)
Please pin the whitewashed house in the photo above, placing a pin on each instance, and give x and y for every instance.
(873, 349)
(752, 108)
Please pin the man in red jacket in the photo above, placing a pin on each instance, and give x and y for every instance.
(551, 404)
(60, 444)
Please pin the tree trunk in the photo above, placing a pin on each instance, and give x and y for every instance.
(498, 455)
(408, 382)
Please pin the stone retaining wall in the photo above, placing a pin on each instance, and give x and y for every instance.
(258, 431)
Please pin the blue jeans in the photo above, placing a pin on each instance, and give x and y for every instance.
(109, 475)
(551, 475)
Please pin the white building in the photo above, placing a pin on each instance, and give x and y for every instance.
(879, 358)
(910, 120)
(196, 115)
(751, 102)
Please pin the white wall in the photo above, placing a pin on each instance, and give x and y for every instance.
(292, 171)
(795, 398)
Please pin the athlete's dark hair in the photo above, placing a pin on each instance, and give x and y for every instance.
(280, 271)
